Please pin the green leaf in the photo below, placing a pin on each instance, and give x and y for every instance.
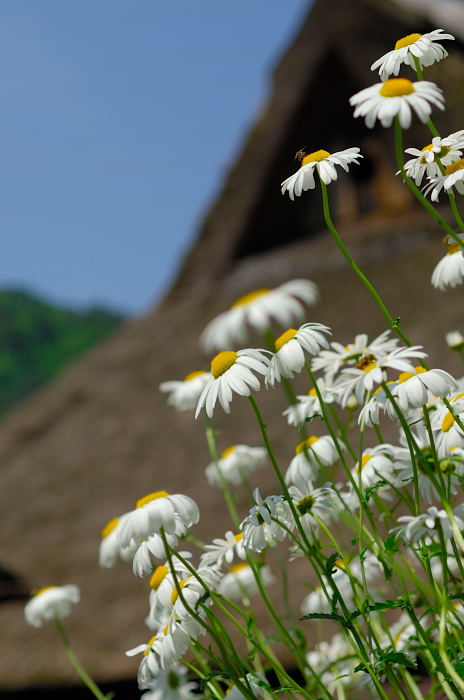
(323, 616)
(391, 544)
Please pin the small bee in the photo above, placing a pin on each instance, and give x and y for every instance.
(299, 155)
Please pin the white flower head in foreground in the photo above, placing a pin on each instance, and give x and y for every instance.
(453, 177)
(193, 589)
(224, 550)
(236, 464)
(310, 455)
(239, 583)
(290, 350)
(324, 163)
(162, 585)
(260, 529)
(175, 513)
(424, 47)
(184, 395)
(149, 666)
(428, 524)
(170, 685)
(369, 414)
(50, 602)
(376, 464)
(449, 272)
(330, 361)
(110, 548)
(371, 370)
(232, 372)
(308, 405)
(427, 161)
(397, 97)
(311, 503)
(258, 309)
(416, 388)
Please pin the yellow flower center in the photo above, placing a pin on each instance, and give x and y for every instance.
(222, 362)
(305, 444)
(38, 591)
(404, 376)
(397, 87)
(367, 363)
(251, 296)
(444, 150)
(454, 167)
(228, 451)
(284, 338)
(458, 396)
(339, 563)
(407, 41)
(158, 577)
(305, 504)
(314, 157)
(194, 375)
(312, 392)
(237, 567)
(149, 644)
(238, 537)
(448, 421)
(364, 461)
(151, 497)
(453, 247)
(380, 388)
(175, 594)
(109, 527)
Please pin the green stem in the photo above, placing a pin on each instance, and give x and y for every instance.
(76, 664)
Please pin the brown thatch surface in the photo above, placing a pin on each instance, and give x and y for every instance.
(87, 447)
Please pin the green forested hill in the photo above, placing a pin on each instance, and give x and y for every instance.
(38, 339)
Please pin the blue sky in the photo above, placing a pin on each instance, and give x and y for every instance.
(119, 119)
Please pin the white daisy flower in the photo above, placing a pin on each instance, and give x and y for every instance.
(221, 551)
(427, 161)
(371, 370)
(424, 47)
(149, 666)
(311, 503)
(400, 633)
(174, 513)
(446, 431)
(376, 464)
(453, 177)
(110, 548)
(236, 464)
(428, 523)
(240, 582)
(232, 372)
(184, 395)
(330, 361)
(193, 590)
(50, 602)
(334, 661)
(415, 388)
(284, 305)
(449, 272)
(324, 163)
(260, 529)
(162, 585)
(397, 97)
(308, 405)
(171, 685)
(369, 414)
(454, 340)
(310, 455)
(290, 346)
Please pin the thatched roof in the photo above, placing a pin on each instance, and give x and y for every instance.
(100, 436)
